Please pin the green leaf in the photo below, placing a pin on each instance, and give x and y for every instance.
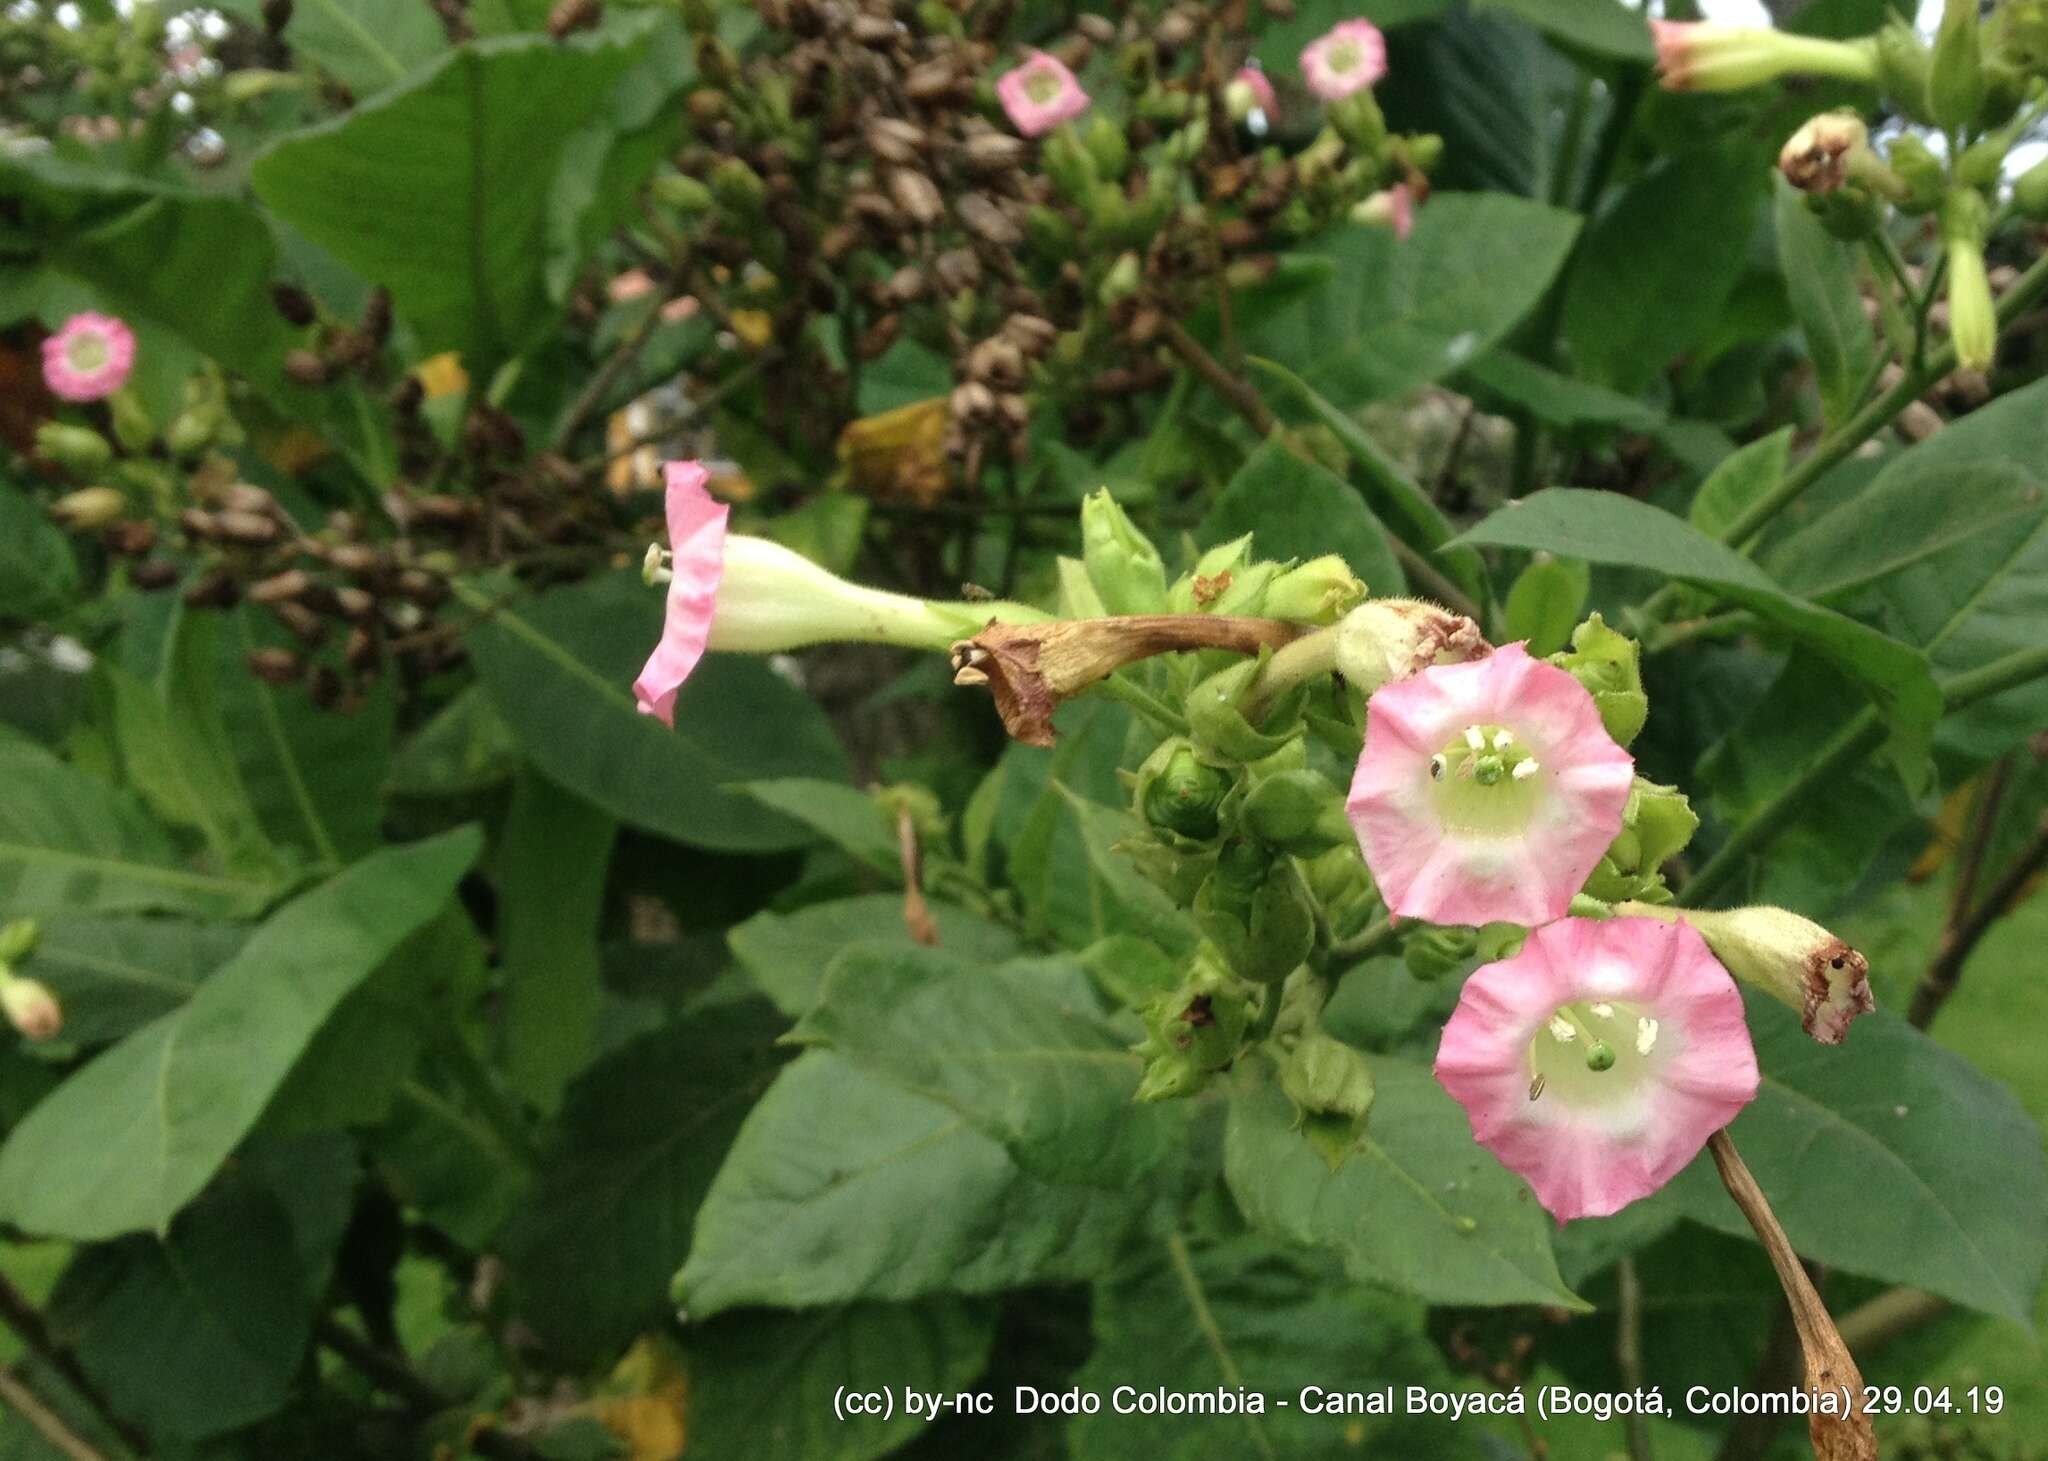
(1604, 27)
(786, 954)
(1481, 81)
(559, 670)
(763, 1386)
(1605, 527)
(38, 573)
(69, 843)
(126, 1142)
(449, 1164)
(1545, 603)
(1820, 281)
(1076, 882)
(439, 188)
(465, 748)
(843, 815)
(552, 863)
(366, 45)
(1740, 478)
(1020, 1050)
(844, 1186)
(1907, 515)
(642, 1134)
(1389, 315)
(1297, 509)
(198, 1332)
(1555, 399)
(1419, 1206)
(1241, 1313)
(1890, 1156)
(115, 975)
(1651, 276)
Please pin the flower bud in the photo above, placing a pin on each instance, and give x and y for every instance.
(1122, 563)
(1817, 158)
(1177, 792)
(134, 428)
(1256, 910)
(1706, 56)
(1107, 146)
(18, 940)
(1903, 64)
(1343, 889)
(1390, 208)
(738, 187)
(1332, 1091)
(1195, 1030)
(1956, 84)
(89, 508)
(2030, 192)
(1972, 320)
(1433, 953)
(1298, 812)
(1122, 280)
(1214, 574)
(77, 448)
(1982, 162)
(685, 195)
(247, 84)
(1793, 959)
(1217, 719)
(1656, 825)
(1320, 591)
(1070, 164)
(30, 1007)
(1390, 639)
(1920, 171)
(1609, 665)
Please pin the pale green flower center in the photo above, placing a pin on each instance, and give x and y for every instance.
(1344, 56)
(1486, 782)
(1041, 85)
(1592, 1051)
(86, 350)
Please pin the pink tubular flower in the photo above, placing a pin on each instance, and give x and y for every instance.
(1258, 92)
(696, 536)
(1040, 94)
(1597, 1061)
(1487, 791)
(1352, 56)
(1702, 55)
(89, 358)
(1388, 208)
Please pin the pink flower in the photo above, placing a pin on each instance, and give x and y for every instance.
(1352, 56)
(1258, 92)
(696, 536)
(1486, 791)
(1040, 94)
(1598, 1060)
(1699, 55)
(1388, 208)
(89, 358)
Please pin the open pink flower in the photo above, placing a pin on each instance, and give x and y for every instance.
(1486, 791)
(1598, 1060)
(696, 538)
(89, 358)
(1040, 94)
(1351, 57)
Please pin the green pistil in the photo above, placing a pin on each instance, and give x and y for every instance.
(87, 351)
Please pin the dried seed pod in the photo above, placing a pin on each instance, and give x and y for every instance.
(839, 241)
(293, 304)
(1033, 334)
(302, 621)
(879, 336)
(570, 16)
(247, 497)
(994, 152)
(196, 524)
(356, 559)
(293, 583)
(214, 589)
(930, 80)
(877, 30)
(418, 586)
(972, 399)
(1237, 233)
(1175, 30)
(305, 368)
(894, 140)
(362, 651)
(153, 574)
(985, 218)
(444, 508)
(1097, 28)
(276, 666)
(355, 603)
(1145, 326)
(128, 539)
(917, 195)
(249, 528)
(957, 270)
(871, 207)
(906, 285)
(997, 362)
(376, 325)
(1014, 411)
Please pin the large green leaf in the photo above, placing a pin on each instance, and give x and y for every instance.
(37, 569)
(1604, 27)
(842, 1186)
(552, 863)
(1890, 1156)
(1738, 480)
(1021, 1050)
(367, 45)
(843, 815)
(787, 954)
(69, 843)
(198, 1332)
(1605, 527)
(1418, 1206)
(1389, 314)
(1820, 281)
(126, 1142)
(1653, 272)
(1297, 509)
(1552, 397)
(438, 189)
(1243, 1315)
(115, 975)
(1066, 862)
(642, 1134)
(559, 670)
(769, 1387)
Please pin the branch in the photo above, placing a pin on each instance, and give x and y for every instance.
(47, 1423)
(26, 1322)
(1628, 1353)
(1957, 942)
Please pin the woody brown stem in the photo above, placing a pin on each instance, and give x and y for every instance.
(17, 1397)
(1830, 1368)
(1961, 939)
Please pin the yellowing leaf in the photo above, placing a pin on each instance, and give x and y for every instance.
(900, 453)
(442, 375)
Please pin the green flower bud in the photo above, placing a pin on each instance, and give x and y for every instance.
(134, 428)
(1071, 164)
(1358, 120)
(1049, 232)
(1331, 1087)
(1078, 599)
(1921, 172)
(684, 195)
(248, 84)
(1609, 665)
(1196, 1029)
(1216, 718)
(1122, 280)
(1107, 147)
(1792, 959)
(1320, 591)
(1179, 793)
(1656, 825)
(192, 429)
(1903, 68)
(89, 508)
(1434, 953)
(1185, 145)
(30, 1007)
(1956, 83)
(1972, 319)
(1343, 889)
(1125, 568)
(1299, 812)
(1256, 910)
(18, 938)
(1981, 163)
(737, 187)
(77, 448)
(2030, 192)
(1197, 590)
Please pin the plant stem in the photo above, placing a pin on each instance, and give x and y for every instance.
(1375, 938)
(1164, 718)
(1238, 391)
(1628, 1352)
(1858, 738)
(488, 1098)
(1946, 971)
(25, 1321)
(43, 1420)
